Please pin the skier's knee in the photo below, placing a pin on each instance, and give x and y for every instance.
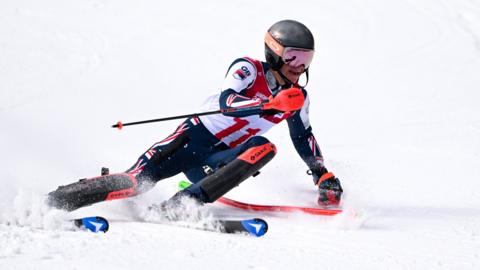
(254, 141)
(256, 149)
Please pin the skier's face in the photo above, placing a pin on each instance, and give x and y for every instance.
(292, 73)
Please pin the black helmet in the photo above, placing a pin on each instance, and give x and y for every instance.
(283, 34)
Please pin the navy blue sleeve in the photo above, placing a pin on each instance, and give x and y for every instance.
(303, 138)
(241, 106)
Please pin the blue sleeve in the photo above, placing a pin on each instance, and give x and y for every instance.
(229, 99)
(303, 138)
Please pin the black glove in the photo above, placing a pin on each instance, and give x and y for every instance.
(329, 191)
(329, 187)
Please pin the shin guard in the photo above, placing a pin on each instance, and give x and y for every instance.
(231, 175)
(89, 191)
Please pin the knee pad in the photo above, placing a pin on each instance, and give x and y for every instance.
(231, 175)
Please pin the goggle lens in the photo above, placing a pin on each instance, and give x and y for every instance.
(296, 57)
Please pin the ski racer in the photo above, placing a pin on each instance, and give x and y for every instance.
(218, 152)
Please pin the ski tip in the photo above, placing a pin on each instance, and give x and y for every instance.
(257, 226)
(183, 185)
(94, 224)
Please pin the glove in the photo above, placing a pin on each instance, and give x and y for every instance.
(329, 187)
(287, 100)
(329, 190)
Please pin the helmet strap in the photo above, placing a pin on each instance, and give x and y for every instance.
(285, 79)
(306, 74)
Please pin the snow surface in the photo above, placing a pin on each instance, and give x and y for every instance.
(394, 90)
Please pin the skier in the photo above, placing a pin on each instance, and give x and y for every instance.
(218, 152)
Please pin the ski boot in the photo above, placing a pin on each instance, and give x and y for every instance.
(92, 190)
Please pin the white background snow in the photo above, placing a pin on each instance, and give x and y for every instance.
(395, 87)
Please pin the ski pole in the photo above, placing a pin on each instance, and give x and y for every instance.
(286, 100)
(120, 125)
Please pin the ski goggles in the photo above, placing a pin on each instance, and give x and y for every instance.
(291, 56)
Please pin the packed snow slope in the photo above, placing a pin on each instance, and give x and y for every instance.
(394, 94)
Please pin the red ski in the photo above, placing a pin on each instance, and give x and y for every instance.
(271, 208)
(279, 208)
